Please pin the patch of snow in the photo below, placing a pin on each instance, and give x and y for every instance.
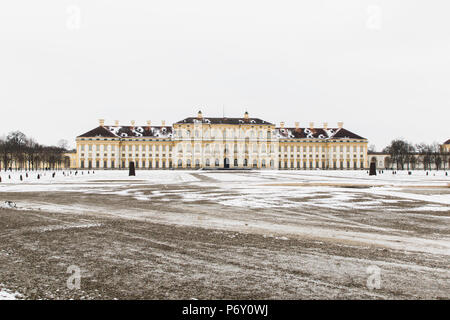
(8, 205)
(6, 294)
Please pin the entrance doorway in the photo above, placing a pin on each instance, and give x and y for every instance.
(226, 163)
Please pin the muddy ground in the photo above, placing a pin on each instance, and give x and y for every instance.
(181, 242)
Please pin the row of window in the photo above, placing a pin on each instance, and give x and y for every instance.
(82, 155)
(106, 147)
(230, 133)
(89, 164)
(217, 163)
(318, 148)
(320, 164)
(323, 155)
(208, 151)
(188, 148)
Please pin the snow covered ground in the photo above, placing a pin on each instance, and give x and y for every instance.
(6, 294)
(174, 176)
(256, 188)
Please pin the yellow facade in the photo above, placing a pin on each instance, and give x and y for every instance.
(202, 144)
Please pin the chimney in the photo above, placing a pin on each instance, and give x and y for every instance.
(340, 124)
(311, 125)
(116, 123)
(132, 124)
(149, 124)
(246, 115)
(325, 125)
(163, 123)
(297, 125)
(101, 122)
(281, 124)
(199, 115)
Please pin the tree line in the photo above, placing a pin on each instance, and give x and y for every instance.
(406, 155)
(19, 152)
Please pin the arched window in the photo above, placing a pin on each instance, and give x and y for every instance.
(217, 163)
(255, 163)
(207, 162)
(197, 163)
(263, 163)
(180, 163)
(188, 163)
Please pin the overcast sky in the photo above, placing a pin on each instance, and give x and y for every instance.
(382, 67)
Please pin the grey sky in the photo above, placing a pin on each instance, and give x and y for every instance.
(382, 67)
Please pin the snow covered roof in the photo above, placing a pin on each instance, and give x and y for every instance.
(315, 133)
(224, 120)
(129, 132)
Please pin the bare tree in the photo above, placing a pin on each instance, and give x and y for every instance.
(5, 152)
(400, 152)
(437, 158)
(63, 144)
(25, 153)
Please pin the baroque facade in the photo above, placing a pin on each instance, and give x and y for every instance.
(204, 142)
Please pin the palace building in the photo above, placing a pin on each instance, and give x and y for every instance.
(204, 142)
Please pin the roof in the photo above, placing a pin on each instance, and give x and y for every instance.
(99, 132)
(224, 120)
(129, 132)
(167, 131)
(316, 133)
